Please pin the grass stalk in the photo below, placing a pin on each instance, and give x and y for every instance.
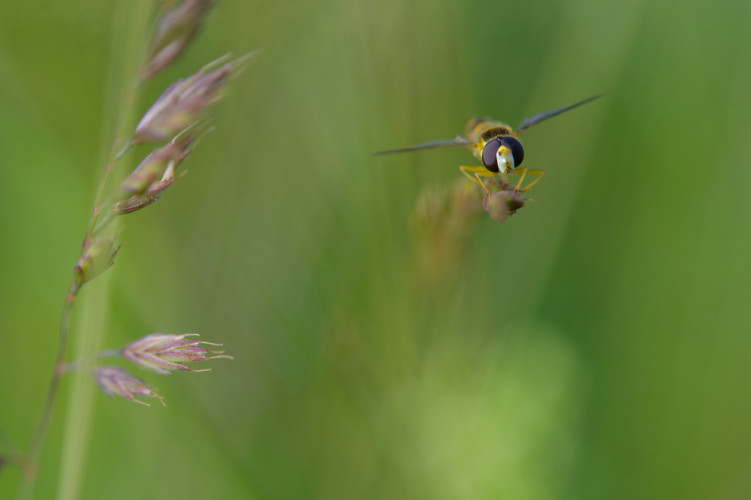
(129, 37)
(131, 20)
(31, 463)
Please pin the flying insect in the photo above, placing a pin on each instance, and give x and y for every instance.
(496, 145)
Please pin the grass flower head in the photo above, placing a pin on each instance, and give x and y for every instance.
(183, 102)
(164, 353)
(116, 381)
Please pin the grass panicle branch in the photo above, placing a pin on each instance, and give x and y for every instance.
(177, 117)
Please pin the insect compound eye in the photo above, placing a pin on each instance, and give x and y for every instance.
(488, 154)
(517, 151)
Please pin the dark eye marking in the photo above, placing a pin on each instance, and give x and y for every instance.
(489, 159)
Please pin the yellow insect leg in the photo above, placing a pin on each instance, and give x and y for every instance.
(479, 172)
(524, 171)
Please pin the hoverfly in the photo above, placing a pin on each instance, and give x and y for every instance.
(496, 145)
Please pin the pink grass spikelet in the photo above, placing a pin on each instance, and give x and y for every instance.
(116, 381)
(175, 30)
(183, 101)
(97, 256)
(163, 353)
(155, 174)
(503, 201)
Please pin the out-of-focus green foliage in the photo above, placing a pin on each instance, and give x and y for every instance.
(594, 345)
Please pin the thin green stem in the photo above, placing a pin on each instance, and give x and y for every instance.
(31, 462)
(106, 218)
(118, 152)
(121, 145)
(89, 361)
(129, 40)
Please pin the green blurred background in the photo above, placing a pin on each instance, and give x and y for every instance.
(595, 345)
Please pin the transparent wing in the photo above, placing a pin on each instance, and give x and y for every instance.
(534, 120)
(457, 141)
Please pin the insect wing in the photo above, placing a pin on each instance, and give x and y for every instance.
(534, 120)
(457, 141)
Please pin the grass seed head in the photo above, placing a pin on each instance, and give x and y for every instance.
(502, 201)
(176, 28)
(184, 101)
(153, 175)
(118, 382)
(164, 353)
(97, 256)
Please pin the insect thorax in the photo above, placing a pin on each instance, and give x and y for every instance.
(485, 129)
